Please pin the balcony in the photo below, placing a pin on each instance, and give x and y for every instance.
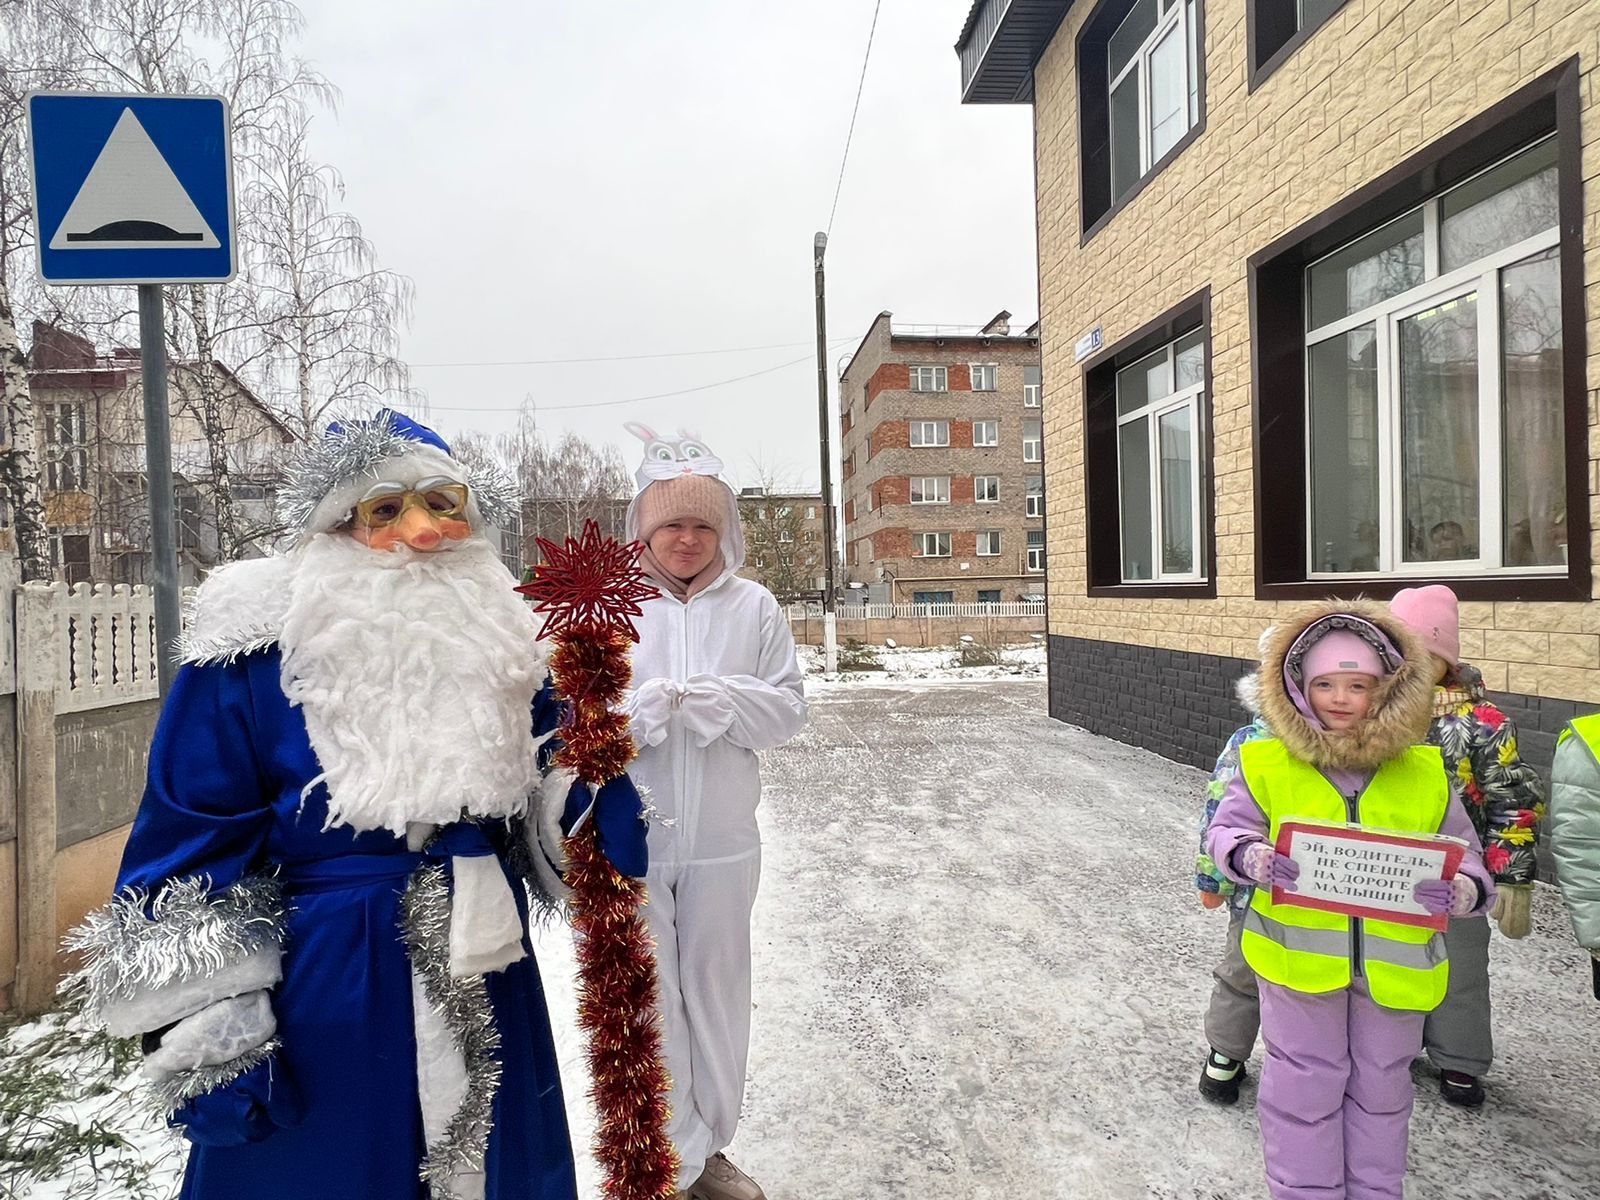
(999, 44)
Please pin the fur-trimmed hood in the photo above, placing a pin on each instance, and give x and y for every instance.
(1401, 708)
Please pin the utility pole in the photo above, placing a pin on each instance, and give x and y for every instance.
(830, 628)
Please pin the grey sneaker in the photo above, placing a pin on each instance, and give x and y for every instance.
(721, 1180)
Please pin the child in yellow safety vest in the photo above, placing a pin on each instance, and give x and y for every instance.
(1346, 691)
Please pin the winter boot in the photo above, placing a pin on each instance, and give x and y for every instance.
(721, 1180)
(1460, 1088)
(1221, 1077)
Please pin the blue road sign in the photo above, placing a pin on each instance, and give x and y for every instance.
(131, 189)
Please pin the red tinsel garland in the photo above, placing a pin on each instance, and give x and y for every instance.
(589, 589)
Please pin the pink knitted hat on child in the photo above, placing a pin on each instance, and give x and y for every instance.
(702, 497)
(1433, 616)
(1340, 650)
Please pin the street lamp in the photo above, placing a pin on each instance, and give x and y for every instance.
(830, 631)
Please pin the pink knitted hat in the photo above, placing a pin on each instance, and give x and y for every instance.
(702, 497)
(1340, 650)
(1433, 616)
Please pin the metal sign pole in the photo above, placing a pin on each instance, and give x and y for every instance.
(830, 639)
(158, 467)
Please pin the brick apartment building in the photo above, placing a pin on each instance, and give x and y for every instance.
(943, 475)
(783, 537)
(1320, 288)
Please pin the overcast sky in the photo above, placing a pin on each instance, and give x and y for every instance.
(565, 179)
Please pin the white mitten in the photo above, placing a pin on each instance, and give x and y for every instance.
(219, 1033)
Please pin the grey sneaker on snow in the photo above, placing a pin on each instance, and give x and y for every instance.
(721, 1180)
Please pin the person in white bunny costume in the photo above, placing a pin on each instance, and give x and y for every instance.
(715, 681)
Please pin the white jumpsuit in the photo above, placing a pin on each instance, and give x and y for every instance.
(715, 680)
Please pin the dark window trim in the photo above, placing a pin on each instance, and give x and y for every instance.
(1259, 74)
(1103, 543)
(1094, 104)
(1277, 343)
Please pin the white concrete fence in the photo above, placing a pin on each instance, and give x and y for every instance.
(63, 650)
(919, 612)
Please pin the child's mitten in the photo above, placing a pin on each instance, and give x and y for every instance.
(1260, 862)
(1513, 909)
(1457, 896)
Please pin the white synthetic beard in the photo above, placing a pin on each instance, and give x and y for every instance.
(416, 673)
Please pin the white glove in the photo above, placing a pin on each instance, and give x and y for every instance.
(707, 708)
(219, 1033)
(650, 707)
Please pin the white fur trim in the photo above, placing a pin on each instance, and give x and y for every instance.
(153, 1008)
(239, 609)
(441, 1070)
(543, 832)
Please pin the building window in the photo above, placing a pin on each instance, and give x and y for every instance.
(1433, 384)
(1033, 441)
(929, 379)
(988, 543)
(986, 489)
(986, 433)
(786, 535)
(988, 595)
(1032, 387)
(1147, 460)
(1277, 29)
(1036, 550)
(1141, 96)
(933, 545)
(1429, 423)
(69, 554)
(811, 512)
(66, 441)
(930, 489)
(869, 448)
(933, 597)
(985, 377)
(1158, 455)
(930, 433)
(1033, 503)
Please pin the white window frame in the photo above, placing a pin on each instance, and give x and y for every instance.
(1482, 280)
(1033, 447)
(938, 379)
(923, 543)
(1033, 503)
(1184, 398)
(989, 426)
(993, 538)
(978, 497)
(66, 446)
(922, 485)
(1033, 395)
(1035, 562)
(1177, 13)
(919, 434)
(989, 373)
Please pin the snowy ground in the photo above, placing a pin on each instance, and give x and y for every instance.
(980, 971)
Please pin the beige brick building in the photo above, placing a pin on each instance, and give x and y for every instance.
(1320, 296)
(783, 538)
(942, 482)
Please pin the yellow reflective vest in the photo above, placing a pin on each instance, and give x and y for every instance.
(1314, 951)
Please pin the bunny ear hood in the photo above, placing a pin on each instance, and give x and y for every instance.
(1402, 707)
(702, 463)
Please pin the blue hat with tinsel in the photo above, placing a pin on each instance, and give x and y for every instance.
(331, 474)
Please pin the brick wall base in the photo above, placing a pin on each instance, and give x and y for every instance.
(1181, 705)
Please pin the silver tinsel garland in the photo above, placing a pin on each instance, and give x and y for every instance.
(464, 1005)
(138, 942)
(174, 1092)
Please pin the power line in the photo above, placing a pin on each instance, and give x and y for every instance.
(546, 362)
(631, 399)
(848, 136)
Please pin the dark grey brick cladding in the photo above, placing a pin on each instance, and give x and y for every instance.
(1181, 705)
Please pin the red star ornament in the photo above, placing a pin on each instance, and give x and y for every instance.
(592, 583)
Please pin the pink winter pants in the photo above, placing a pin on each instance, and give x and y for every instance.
(1335, 1098)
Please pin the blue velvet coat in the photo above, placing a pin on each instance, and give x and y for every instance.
(227, 766)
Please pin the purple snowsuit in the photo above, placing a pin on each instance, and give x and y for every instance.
(1336, 1093)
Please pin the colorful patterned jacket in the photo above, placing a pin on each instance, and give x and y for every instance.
(1208, 877)
(1503, 795)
